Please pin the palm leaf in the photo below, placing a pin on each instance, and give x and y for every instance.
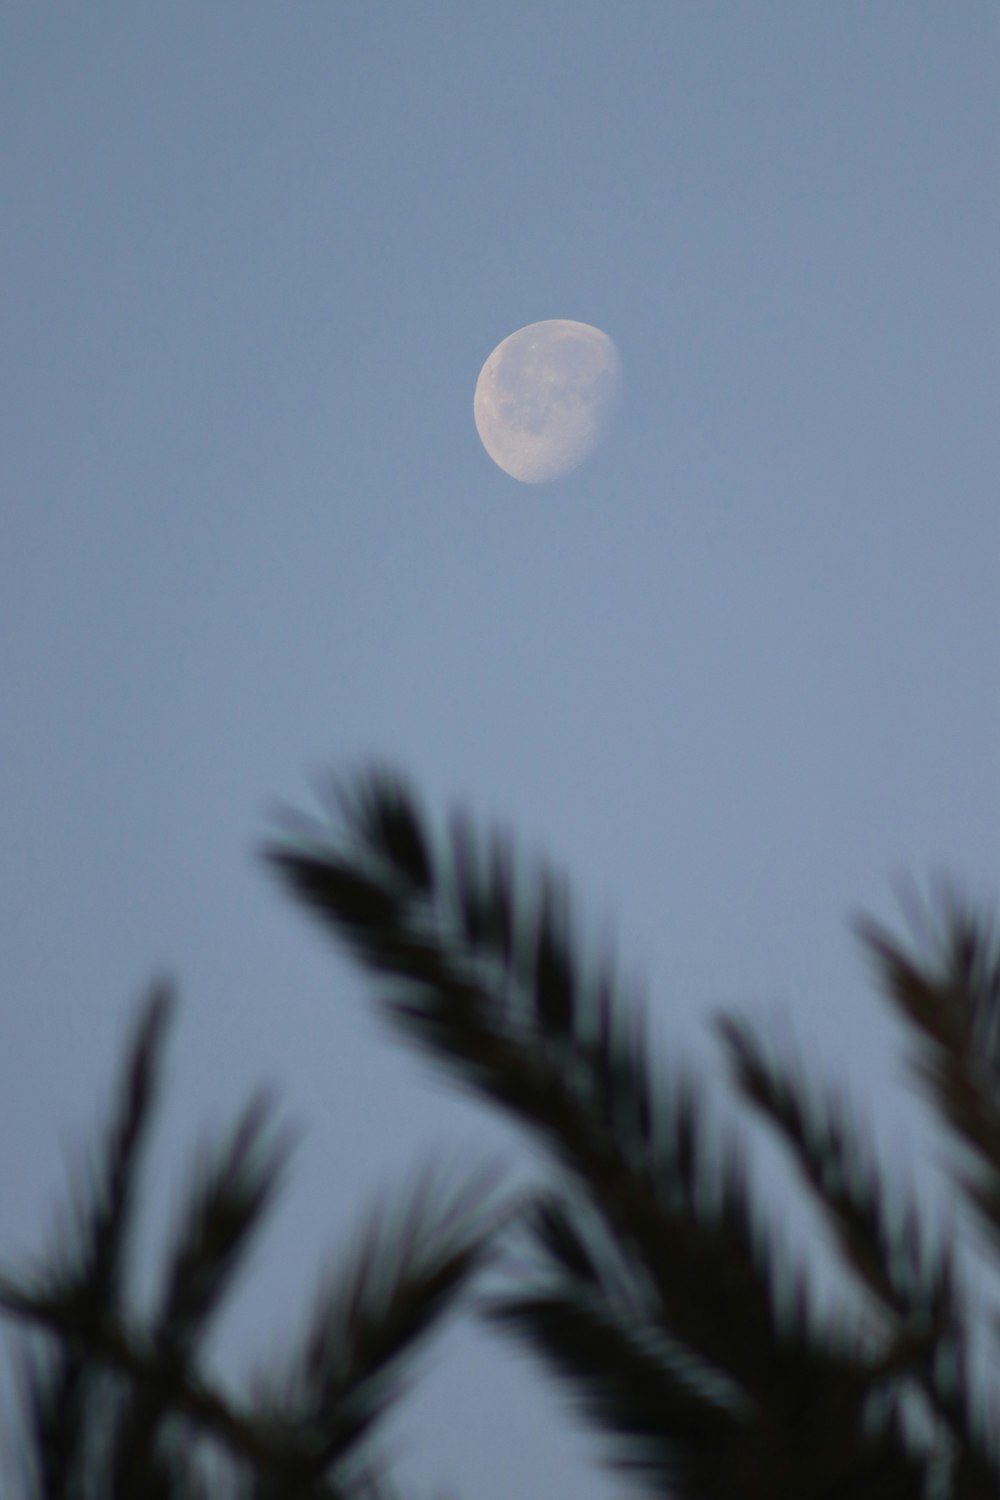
(921, 1326)
(482, 969)
(63, 1392)
(233, 1187)
(404, 1275)
(948, 990)
(119, 1407)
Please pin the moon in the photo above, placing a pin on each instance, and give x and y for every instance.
(544, 397)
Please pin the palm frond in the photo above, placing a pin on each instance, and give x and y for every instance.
(590, 1317)
(118, 1406)
(948, 989)
(881, 1239)
(472, 974)
(920, 1336)
(405, 1274)
(85, 1271)
(482, 969)
(233, 1188)
(128, 1353)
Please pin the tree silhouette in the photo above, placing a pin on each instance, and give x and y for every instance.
(657, 1291)
(650, 1281)
(120, 1408)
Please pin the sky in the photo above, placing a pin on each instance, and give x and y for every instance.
(737, 674)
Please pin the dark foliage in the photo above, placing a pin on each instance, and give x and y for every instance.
(656, 1291)
(118, 1407)
(649, 1280)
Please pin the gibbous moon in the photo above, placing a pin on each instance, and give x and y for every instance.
(544, 397)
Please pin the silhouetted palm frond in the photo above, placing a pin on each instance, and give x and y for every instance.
(920, 1318)
(84, 1276)
(226, 1206)
(119, 1408)
(657, 1294)
(650, 1282)
(405, 1273)
(948, 989)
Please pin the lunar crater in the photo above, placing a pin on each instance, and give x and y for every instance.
(544, 398)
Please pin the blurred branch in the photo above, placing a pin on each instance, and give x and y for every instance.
(682, 1355)
(104, 1410)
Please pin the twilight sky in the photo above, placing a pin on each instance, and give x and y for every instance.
(736, 674)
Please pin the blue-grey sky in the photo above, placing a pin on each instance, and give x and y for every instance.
(736, 673)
